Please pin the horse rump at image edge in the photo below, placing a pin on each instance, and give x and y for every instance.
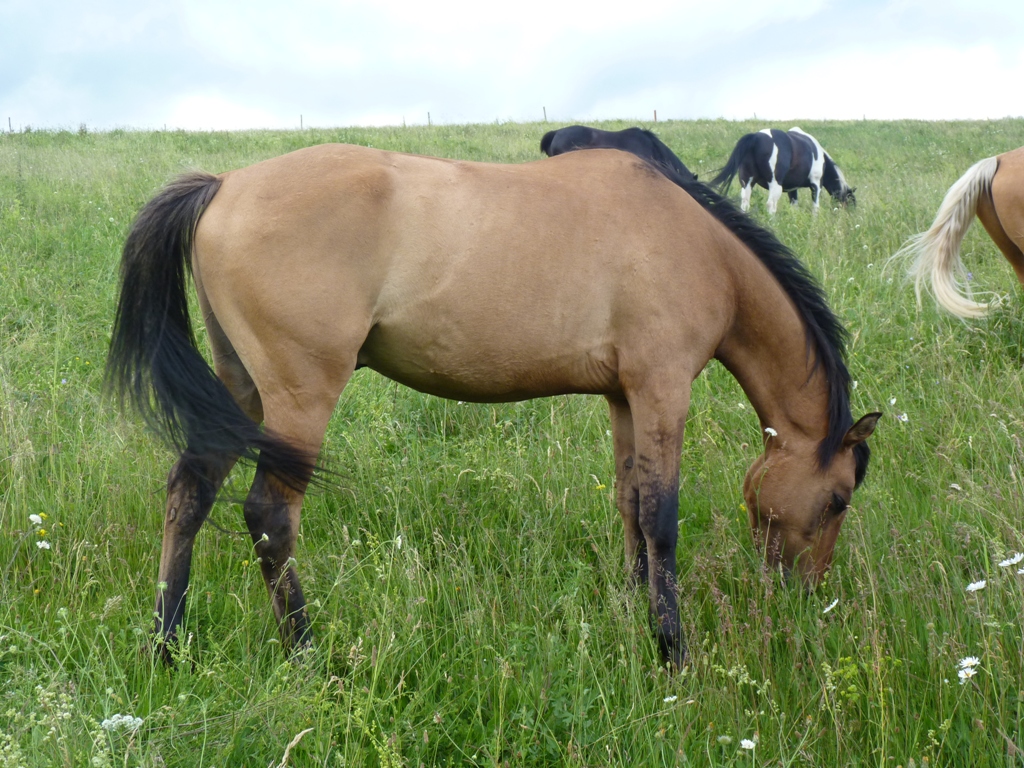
(993, 190)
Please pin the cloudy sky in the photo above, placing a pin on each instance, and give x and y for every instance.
(207, 64)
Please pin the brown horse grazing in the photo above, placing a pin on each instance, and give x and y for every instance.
(994, 190)
(485, 283)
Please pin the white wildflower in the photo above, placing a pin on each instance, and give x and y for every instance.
(748, 744)
(892, 401)
(770, 432)
(1012, 560)
(831, 605)
(398, 541)
(969, 661)
(44, 544)
(126, 723)
(35, 519)
(974, 586)
(966, 674)
(724, 739)
(955, 487)
(855, 383)
(903, 417)
(670, 699)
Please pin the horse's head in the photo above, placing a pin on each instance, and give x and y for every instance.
(834, 182)
(845, 196)
(796, 508)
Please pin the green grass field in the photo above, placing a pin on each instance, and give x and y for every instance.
(465, 573)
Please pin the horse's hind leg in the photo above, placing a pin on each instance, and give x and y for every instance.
(191, 489)
(297, 410)
(272, 512)
(792, 197)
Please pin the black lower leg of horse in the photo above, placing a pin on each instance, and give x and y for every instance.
(272, 515)
(191, 489)
(792, 197)
(659, 515)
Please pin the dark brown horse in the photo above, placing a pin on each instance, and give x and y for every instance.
(639, 141)
(486, 283)
(992, 189)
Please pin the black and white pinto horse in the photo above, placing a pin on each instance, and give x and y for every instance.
(639, 141)
(783, 161)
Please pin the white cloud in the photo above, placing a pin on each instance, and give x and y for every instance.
(206, 63)
(213, 111)
(930, 82)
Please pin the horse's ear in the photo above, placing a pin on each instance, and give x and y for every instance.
(862, 430)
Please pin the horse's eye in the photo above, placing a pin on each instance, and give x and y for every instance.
(838, 504)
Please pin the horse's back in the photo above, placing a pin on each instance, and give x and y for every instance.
(457, 277)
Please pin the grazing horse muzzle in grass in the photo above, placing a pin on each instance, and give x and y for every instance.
(783, 161)
(639, 141)
(797, 531)
(483, 283)
(992, 189)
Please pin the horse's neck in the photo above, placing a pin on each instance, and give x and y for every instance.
(766, 350)
(831, 179)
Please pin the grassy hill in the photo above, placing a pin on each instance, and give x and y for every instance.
(466, 574)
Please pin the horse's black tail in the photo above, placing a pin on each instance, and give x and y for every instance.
(725, 176)
(154, 365)
(545, 142)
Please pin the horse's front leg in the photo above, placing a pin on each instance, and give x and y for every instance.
(774, 194)
(746, 188)
(191, 489)
(658, 427)
(627, 491)
(816, 196)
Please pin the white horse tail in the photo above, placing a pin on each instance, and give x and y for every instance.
(937, 251)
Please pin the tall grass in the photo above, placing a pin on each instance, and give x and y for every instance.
(466, 573)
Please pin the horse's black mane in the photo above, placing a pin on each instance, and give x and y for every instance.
(826, 335)
(661, 151)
